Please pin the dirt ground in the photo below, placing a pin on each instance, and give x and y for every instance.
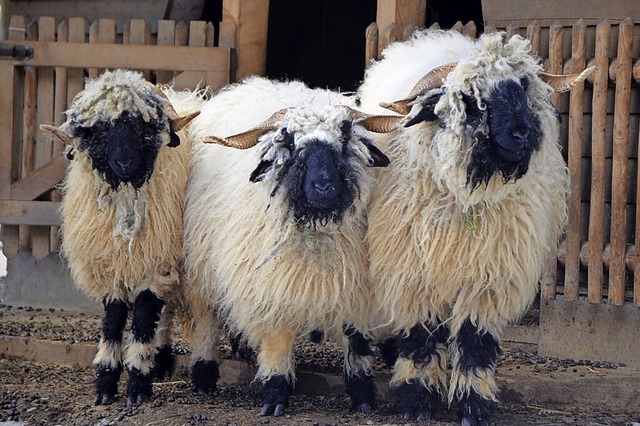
(47, 393)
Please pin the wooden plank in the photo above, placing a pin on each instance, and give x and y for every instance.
(7, 72)
(83, 55)
(29, 213)
(598, 142)
(138, 36)
(620, 166)
(101, 31)
(470, 29)
(371, 44)
(166, 36)
(555, 56)
(44, 114)
(533, 35)
(75, 76)
(401, 13)
(227, 35)
(578, 62)
(251, 20)
(37, 183)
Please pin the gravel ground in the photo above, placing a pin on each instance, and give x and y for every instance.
(50, 394)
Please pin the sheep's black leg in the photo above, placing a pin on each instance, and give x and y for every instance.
(204, 343)
(388, 349)
(164, 361)
(358, 374)
(240, 349)
(275, 395)
(474, 372)
(108, 359)
(141, 350)
(419, 372)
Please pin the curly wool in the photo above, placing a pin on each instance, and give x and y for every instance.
(244, 255)
(439, 249)
(125, 240)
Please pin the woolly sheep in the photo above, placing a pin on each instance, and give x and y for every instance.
(473, 202)
(122, 207)
(274, 236)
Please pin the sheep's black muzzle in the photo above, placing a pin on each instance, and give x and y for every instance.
(322, 182)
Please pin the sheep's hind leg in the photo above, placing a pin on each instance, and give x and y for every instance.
(472, 380)
(164, 362)
(419, 375)
(141, 350)
(205, 369)
(276, 371)
(108, 359)
(358, 373)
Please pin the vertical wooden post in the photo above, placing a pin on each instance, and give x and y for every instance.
(574, 148)
(371, 44)
(555, 56)
(533, 34)
(251, 18)
(620, 163)
(598, 142)
(401, 13)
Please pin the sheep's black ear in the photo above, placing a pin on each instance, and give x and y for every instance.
(378, 159)
(427, 112)
(174, 140)
(258, 174)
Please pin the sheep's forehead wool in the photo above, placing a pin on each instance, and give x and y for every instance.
(107, 97)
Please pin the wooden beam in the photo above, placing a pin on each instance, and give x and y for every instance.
(251, 18)
(40, 181)
(29, 213)
(7, 73)
(401, 13)
(90, 55)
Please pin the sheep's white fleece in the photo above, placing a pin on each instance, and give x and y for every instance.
(243, 256)
(436, 248)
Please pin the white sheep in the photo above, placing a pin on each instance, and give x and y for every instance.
(462, 221)
(274, 235)
(123, 199)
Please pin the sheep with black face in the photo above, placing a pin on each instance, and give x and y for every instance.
(472, 204)
(274, 234)
(122, 208)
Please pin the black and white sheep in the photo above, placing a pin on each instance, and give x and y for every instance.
(462, 221)
(274, 235)
(122, 207)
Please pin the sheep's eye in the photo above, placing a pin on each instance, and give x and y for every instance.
(288, 139)
(471, 108)
(524, 82)
(345, 129)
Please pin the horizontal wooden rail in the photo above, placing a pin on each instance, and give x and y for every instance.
(30, 213)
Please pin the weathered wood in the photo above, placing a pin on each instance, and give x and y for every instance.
(227, 35)
(138, 34)
(251, 21)
(75, 75)
(578, 62)
(470, 29)
(620, 164)
(371, 44)
(533, 35)
(83, 55)
(458, 27)
(555, 56)
(511, 30)
(636, 257)
(598, 142)
(401, 13)
(44, 114)
(390, 34)
(166, 36)
(28, 213)
(37, 183)
(101, 31)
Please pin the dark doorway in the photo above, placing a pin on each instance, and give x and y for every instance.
(321, 42)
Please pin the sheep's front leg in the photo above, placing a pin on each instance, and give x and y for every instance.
(358, 373)
(108, 359)
(276, 370)
(164, 362)
(141, 350)
(472, 382)
(204, 359)
(419, 375)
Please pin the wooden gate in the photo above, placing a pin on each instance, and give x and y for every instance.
(43, 66)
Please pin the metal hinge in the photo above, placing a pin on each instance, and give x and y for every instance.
(16, 52)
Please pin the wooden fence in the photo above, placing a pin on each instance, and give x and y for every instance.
(597, 259)
(43, 66)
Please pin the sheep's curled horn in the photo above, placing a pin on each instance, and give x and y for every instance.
(248, 139)
(435, 78)
(175, 121)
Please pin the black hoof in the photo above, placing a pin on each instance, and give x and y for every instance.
(106, 384)
(139, 387)
(275, 409)
(362, 391)
(164, 363)
(474, 410)
(416, 401)
(240, 349)
(204, 376)
(275, 396)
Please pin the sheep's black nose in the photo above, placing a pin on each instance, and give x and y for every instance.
(323, 187)
(521, 133)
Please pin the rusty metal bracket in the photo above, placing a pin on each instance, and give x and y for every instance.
(18, 52)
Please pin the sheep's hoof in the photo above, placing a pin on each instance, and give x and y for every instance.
(275, 409)
(139, 387)
(103, 399)
(471, 421)
(364, 408)
(106, 384)
(416, 401)
(204, 376)
(164, 363)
